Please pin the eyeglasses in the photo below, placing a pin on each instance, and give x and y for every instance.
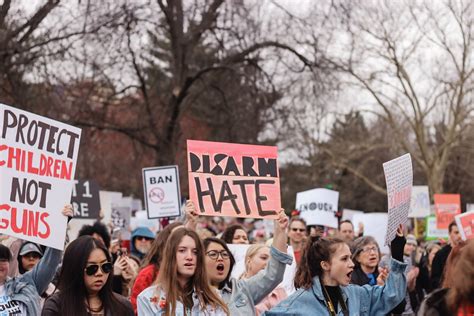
(371, 249)
(214, 255)
(142, 238)
(93, 268)
(298, 230)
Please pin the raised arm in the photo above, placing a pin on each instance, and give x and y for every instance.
(264, 282)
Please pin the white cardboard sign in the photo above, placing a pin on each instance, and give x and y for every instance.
(162, 192)
(38, 159)
(465, 223)
(399, 179)
(375, 225)
(420, 202)
(318, 207)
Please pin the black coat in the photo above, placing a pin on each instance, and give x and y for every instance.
(437, 269)
(435, 304)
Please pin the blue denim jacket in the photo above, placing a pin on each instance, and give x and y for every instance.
(245, 294)
(361, 300)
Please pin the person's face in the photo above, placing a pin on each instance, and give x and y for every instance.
(408, 250)
(96, 281)
(217, 267)
(297, 232)
(369, 256)
(186, 257)
(4, 268)
(455, 236)
(338, 271)
(240, 237)
(258, 262)
(143, 244)
(347, 232)
(29, 260)
(432, 255)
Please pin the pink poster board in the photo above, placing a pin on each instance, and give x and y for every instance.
(233, 179)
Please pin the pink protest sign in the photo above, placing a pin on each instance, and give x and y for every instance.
(233, 179)
(465, 222)
(447, 206)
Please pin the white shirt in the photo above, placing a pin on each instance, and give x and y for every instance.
(9, 307)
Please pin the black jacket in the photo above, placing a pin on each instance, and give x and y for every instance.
(435, 304)
(437, 269)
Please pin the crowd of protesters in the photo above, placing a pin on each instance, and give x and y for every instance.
(186, 269)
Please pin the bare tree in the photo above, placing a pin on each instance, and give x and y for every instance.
(414, 65)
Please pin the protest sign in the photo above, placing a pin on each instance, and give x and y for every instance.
(465, 222)
(120, 217)
(318, 207)
(348, 214)
(239, 251)
(37, 165)
(107, 198)
(399, 179)
(162, 192)
(433, 232)
(375, 225)
(233, 179)
(420, 202)
(85, 199)
(140, 219)
(447, 206)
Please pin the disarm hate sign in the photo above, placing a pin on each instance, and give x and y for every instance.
(37, 164)
(233, 179)
(85, 199)
(162, 192)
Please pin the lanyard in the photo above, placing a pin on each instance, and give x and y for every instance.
(329, 303)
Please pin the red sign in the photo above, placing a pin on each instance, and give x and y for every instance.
(447, 206)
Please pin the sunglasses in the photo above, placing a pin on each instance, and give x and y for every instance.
(142, 238)
(298, 230)
(214, 255)
(93, 268)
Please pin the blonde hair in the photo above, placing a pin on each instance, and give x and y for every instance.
(251, 252)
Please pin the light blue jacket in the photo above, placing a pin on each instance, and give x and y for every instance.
(246, 293)
(27, 287)
(361, 300)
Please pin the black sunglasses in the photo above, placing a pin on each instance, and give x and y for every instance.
(93, 268)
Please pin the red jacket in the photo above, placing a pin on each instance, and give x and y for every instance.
(144, 279)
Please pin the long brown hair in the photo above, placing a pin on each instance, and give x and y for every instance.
(451, 261)
(317, 249)
(461, 292)
(168, 276)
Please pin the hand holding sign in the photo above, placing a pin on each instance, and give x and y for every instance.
(279, 234)
(191, 215)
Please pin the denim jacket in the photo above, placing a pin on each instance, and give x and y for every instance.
(148, 304)
(26, 288)
(245, 294)
(361, 300)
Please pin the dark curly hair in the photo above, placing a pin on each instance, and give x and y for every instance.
(228, 234)
(98, 228)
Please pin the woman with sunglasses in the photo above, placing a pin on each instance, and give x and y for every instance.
(182, 287)
(85, 283)
(242, 295)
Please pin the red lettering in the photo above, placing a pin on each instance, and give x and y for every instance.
(46, 234)
(56, 168)
(31, 169)
(66, 170)
(4, 222)
(13, 222)
(50, 165)
(2, 148)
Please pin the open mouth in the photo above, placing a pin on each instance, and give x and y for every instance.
(349, 275)
(220, 267)
(189, 265)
